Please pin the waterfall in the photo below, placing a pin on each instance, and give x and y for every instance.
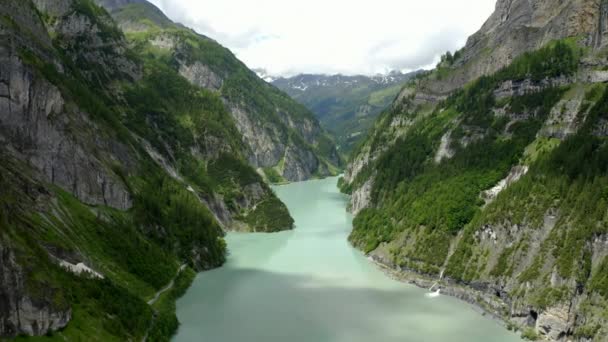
(432, 294)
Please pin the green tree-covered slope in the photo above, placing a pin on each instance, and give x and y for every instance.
(115, 171)
(284, 140)
(494, 185)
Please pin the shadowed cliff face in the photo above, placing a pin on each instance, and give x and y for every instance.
(38, 123)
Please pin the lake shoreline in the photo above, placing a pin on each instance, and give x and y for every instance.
(312, 285)
(482, 302)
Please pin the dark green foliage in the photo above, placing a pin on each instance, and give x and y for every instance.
(587, 331)
(165, 324)
(270, 215)
(571, 179)
(132, 315)
(166, 109)
(114, 245)
(414, 192)
(229, 171)
(187, 225)
(378, 228)
(117, 237)
(273, 175)
(559, 58)
(344, 186)
(143, 13)
(403, 161)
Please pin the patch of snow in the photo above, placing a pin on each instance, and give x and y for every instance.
(80, 268)
(514, 175)
(444, 148)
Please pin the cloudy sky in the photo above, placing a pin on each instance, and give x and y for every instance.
(288, 37)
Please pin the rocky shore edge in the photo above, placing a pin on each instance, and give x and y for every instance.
(487, 305)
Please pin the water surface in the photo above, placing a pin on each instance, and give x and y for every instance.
(310, 285)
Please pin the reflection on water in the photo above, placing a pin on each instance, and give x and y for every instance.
(309, 285)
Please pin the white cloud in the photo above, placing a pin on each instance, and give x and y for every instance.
(333, 36)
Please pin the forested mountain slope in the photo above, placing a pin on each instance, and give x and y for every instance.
(115, 170)
(284, 140)
(346, 105)
(489, 173)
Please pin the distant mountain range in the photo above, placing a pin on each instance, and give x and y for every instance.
(346, 105)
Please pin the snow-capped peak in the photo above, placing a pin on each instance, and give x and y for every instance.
(263, 74)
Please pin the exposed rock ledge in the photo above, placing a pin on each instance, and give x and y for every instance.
(19, 312)
(489, 305)
(552, 324)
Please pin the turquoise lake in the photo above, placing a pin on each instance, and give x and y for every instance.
(310, 285)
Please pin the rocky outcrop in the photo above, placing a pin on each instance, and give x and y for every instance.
(519, 88)
(514, 175)
(36, 122)
(277, 132)
(19, 312)
(515, 27)
(444, 151)
(259, 138)
(299, 164)
(270, 145)
(566, 117)
(554, 322)
(361, 197)
(95, 39)
(198, 73)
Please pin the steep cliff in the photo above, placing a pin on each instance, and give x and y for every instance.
(114, 170)
(487, 173)
(284, 140)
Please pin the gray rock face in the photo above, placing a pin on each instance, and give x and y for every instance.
(361, 197)
(518, 26)
(112, 5)
(19, 313)
(201, 75)
(519, 88)
(299, 164)
(96, 41)
(258, 137)
(268, 145)
(37, 123)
